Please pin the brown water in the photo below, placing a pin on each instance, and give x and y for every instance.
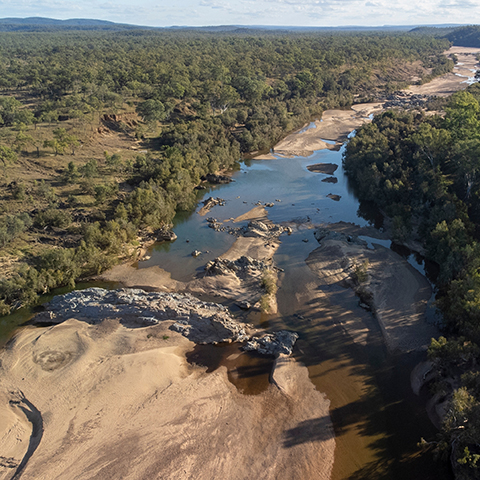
(377, 419)
(249, 372)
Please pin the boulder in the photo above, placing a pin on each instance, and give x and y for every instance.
(330, 180)
(164, 235)
(277, 343)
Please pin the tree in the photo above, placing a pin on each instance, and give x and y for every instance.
(61, 140)
(7, 156)
(152, 110)
(22, 140)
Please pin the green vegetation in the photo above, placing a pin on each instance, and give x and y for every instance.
(468, 36)
(108, 133)
(360, 272)
(269, 283)
(424, 173)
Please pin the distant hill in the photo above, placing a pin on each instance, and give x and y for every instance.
(41, 24)
(465, 36)
(35, 24)
(348, 28)
(437, 31)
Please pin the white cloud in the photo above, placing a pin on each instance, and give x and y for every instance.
(273, 12)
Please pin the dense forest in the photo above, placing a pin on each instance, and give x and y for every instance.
(423, 172)
(104, 136)
(465, 36)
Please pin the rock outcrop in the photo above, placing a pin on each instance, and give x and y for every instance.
(165, 235)
(277, 343)
(255, 228)
(209, 203)
(216, 179)
(241, 267)
(406, 100)
(201, 322)
(325, 168)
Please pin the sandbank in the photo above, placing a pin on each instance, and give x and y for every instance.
(107, 401)
(398, 294)
(256, 213)
(454, 81)
(334, 127)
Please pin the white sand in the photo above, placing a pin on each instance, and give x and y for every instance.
(110, 402)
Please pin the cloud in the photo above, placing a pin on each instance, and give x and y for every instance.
(273, 12)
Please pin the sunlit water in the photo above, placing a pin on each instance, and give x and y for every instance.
(377, 419)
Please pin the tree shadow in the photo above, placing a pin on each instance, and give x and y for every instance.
(386, 413)
(315, 430)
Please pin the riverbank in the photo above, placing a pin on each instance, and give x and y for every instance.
(335, 126)
(451, 82)
(119, 400)
(129, 395)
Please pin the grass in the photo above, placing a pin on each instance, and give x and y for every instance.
(269, 283)
(41, 178)
(360, 272)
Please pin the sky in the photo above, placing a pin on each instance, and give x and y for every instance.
(252, 12)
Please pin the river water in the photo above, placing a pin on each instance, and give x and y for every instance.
(377, 419)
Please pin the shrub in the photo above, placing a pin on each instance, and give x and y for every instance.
(52, 218)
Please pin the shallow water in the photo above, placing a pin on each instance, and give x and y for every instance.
(378, 421)
(302, 195)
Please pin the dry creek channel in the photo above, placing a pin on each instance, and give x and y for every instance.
(378, 420)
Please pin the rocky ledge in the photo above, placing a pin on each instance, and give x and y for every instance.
(242, 266)
(165, 235)
(323, 234)
(255, 228)
(201, 322)
(277, 343)
(216, 179)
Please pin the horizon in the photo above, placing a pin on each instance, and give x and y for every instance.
(268, 13)
(244, 25)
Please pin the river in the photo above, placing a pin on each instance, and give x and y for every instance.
(377, 419)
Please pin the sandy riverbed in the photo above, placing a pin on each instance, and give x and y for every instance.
(108, 402)
(335, 125)
(397, 292)
(451, 82)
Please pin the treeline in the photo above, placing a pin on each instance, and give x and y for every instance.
(468, 36)
(424, 173)
(213, 97)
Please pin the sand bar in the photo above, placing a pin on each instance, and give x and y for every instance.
(107, 401)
